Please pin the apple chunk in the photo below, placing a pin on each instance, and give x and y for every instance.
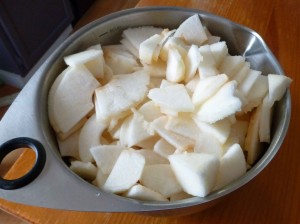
(163, 148)
(141, 192)
(160, 178)
(178, 141)
(148, 47)
(69, 146)
(183, 125)
(125, 173)
(85, 170)
(175, 66)
(237, 134)
(119, 60)
(135, 130)
(252, 143)
(196, 172)
(92, 59)
(208, 87)
(219, 51)
(106, 156)
(277, 86)
(257, 93)
(208, 143)
(75, 90)
(120, 94)
(192, 62)
(90, 135)
(265, 120)
(150, 111)
(223, 104)
(220, 129)
(192, 31)
(151, 157)
(231, 65)
(174, 97)
(232, 166)
(137, 35)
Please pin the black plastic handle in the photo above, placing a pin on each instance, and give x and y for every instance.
(37, 168)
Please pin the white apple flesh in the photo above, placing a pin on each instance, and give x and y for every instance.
(126, 172)
(160, 178)
(196, 172)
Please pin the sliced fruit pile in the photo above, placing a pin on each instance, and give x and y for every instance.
(164, 115)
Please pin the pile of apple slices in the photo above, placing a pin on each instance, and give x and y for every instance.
(164, 115)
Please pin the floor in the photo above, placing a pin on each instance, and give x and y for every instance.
(98, 9)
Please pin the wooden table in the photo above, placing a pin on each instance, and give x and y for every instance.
(274, 196)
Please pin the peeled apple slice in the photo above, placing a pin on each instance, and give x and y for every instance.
(265, 120)
(207, 71)
(139, 34)
(150, 111)
(125, 173)
(178, 141)
(160, 178)
(70, 93)
(220, 129)
(175, 43)
(242, 73)
(141, 192)
(148, 47)
(191, 85)
(69, 146)
(135, 131)
(85, 170)
(174, 97)
(120, 94)
(223, 104)
(156, 69)
(183, 125)
(90, 136)
(237, 134)
(106, 156)
(128, 45)
(151, 157)
(192, 31)
(163, 148)
(192, 62)
(232, 166)
(231, 65)
(196, 172)
(148, 143)
(249, 81)
(175, 66)
(92, 59)
(100, 178)
(119, 60)
(208, 143)
(278, 85)
(208, 59)
(257, 93)
(219, 50)
(51, 98)
(252, 143)
(207, 88)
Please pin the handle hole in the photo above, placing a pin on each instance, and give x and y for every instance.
(17, 163)
(36, 154)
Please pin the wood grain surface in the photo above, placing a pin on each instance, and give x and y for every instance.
(274, 195)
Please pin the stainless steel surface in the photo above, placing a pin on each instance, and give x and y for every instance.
(58, 187)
